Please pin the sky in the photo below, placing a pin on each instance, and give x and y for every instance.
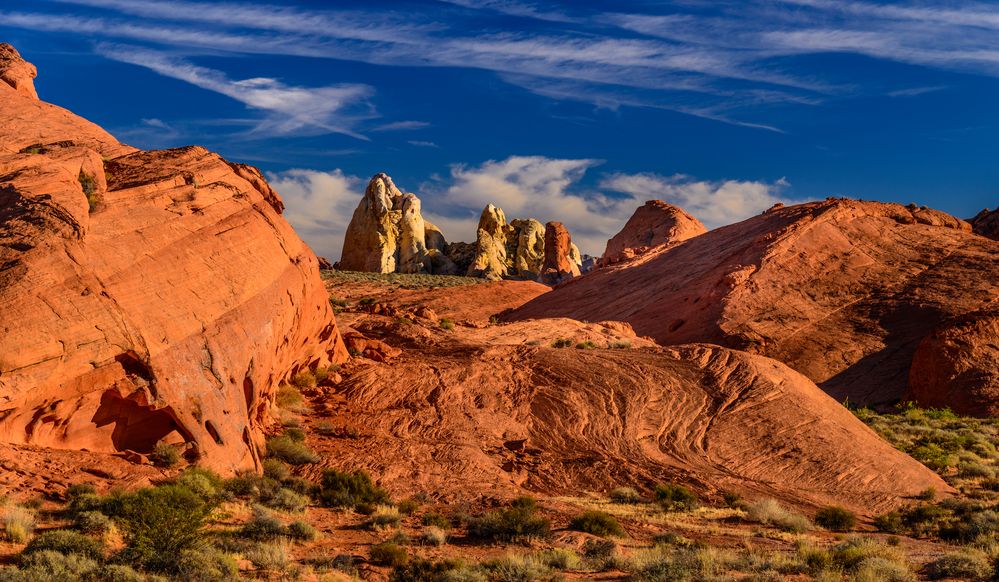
(576, 111)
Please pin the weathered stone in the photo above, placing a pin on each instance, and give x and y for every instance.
(559, 265)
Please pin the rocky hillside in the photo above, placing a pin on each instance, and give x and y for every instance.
(148, 297)
(840, 290)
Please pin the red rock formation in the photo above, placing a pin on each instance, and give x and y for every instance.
(957, 366)
(558, 266)
(654, 223)
(146, 296)
(17, 72)
(473, 412)
(843, 291)
(986, 223)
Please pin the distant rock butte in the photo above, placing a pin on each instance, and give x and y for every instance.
(562, 258)
(841, 290)
(986, 223)
(147, 297)
(655, 223)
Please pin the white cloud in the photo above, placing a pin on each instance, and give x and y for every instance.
(423, 144)
(290, 110)
(402, 126)
(715, 203)
(319, 205)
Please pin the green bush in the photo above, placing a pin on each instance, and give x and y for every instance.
(598, 523)
(587, 345)
(342, 489)
(517, 568)
(300, 530)
(122, 573)
(383, 516)
(675, 497)
(263, 525)
(434, 536)
(295, 434)
(205, 565)
(51, 566)
(77, 489)
(890, 522)
(289, 398)
(835, 518)
(625, 495)
(407, 506)
(290, 451)
(963, 565)
(89, 185)
(93, 523)
(275, 469)
(17, 522)
(512, 524)
(562, 342)
(287, 500)
(272, 556)
(66, 542)
(436, 519)
(203, 482)
(165, 455)
(447, 324)
(421, 570)
(389, 554)
(162, 523)
(303, 380)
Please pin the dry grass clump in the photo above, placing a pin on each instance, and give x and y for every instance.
(384, 517)
(18, 522)
(625, 495)
(769, 512)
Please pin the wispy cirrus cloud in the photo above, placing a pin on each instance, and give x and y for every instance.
(288, 110)
(720, 61)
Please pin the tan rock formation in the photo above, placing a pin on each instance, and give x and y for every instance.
(491, 238)
(559, 265)
(957, 366)
(146, 296)
(986, 223)
(841, 290)
(388, 234)
(526, 248)
(17, 72)
(654, 223)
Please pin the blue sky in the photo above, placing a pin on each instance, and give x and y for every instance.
(574, 111)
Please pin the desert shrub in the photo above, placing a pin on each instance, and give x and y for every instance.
(855, 554)
(924, 519)
(203, 482)
(558, 559)
(619, 345)
(515, 523)
(447, 324)
(421, 570)
(434, 536)
(389, 554)
(290, 451)
(263, 525)
(928, 494)
(625, 495)
(287, 500)
(970, 526)
(300, 530)
(732, 499)
(670, 539)
(165, 455)
(51, 566)
(587, 345)
(517, 569)
(599, 549)
(289, 398)
(66, 542)
(598, 523)
(675, 564)
(273, 557)
(252, 486)
(436, 519)
(878, 569)
(93, 523)
(890, 522)
(384, 516)
(836, 518)
(18, 523)
(407, 506)
(562, 342)
(303, 379)
(325, 428)
(342, 489)
(675, 497)
(161, 524)
(122, 573)
(770, 512)
(963, 565)
(77, 489)
(89, 185)
(206, 565)
(296, 434)
(276, 469)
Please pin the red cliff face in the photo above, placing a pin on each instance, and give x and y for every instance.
(655, 223)
(147, 296)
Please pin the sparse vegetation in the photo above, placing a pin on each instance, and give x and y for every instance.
(389, 554)
(400, 280)
(342, 489)
(434, 536)
(598, 523)
(519, 522)
(769, 512)
(165, 455)
(290, 450)
(675, 497)
(289, 398)
(836, 518)
(89, 185)
(587, 345)
(384, 516)
(625, 495)
(562, 342)
(18, 523)
(447, 324)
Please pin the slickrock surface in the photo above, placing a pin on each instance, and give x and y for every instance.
(986, 223)
(654, 223)
(957, 366)
(146, 296)
(562, 258)
(485, 411)
(387, 234)
(842, 291)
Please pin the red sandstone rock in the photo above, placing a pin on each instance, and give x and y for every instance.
(146, 296)
(654, 223)
(372, 349)
(558, 266)
(986, 223)
(842, 291)
(957, 366)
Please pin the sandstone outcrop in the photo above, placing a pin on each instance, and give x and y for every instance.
(497, 410)
(147, 297)
(526, 248)
(841, 290)
(388, 234)
(957, 366)
(491, 237)
(562, 258)
(986, 223)
(17, 72)
(654, 223)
